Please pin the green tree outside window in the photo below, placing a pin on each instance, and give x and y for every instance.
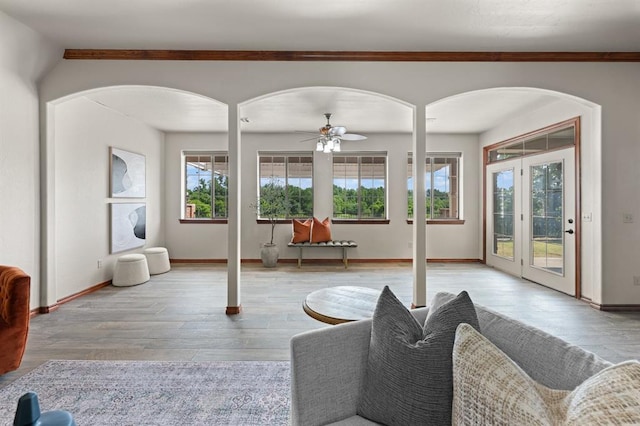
(441, 184)
(206, 186)
(359, 187)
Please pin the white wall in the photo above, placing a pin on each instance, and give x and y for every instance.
(84, 133)
(613, 86)
(190, 240)
(24, 58)
(459, 241)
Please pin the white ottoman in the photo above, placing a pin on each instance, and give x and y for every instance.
(158, 260)
(131, 269)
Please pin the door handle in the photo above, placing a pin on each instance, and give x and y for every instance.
(569, 231)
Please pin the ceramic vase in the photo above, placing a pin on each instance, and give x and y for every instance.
(269, 255)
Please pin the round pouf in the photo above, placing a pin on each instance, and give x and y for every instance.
(131, 269)
(158, 260)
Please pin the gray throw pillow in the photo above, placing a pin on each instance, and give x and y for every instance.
(409, 369)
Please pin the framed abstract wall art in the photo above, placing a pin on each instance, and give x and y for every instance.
(128, 226)
(128, 174)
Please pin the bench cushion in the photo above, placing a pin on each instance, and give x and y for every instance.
(332, 243)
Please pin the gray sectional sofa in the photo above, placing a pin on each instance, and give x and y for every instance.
(328, 365)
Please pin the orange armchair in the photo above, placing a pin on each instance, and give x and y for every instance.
(14, 316)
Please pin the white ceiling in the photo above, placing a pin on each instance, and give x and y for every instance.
(403, 25)
(165, 109)
(303, 110)
(367, 25)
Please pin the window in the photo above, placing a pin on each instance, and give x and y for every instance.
(548, 139)
(294, 174)
(441, 184)
(206, 185)
(359, 186)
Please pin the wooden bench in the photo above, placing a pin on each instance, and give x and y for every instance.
(343, 244)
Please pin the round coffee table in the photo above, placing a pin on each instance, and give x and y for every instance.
(335, 305)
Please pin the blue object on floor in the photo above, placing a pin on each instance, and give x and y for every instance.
(28, 414)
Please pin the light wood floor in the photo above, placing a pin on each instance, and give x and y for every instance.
(180, 315)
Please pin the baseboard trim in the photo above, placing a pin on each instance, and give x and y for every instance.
(233, 310)
(55, 306)
(615, 308)
(352, 261)
(83, 292)
(319, 260)
(43, 310)
(48, 309)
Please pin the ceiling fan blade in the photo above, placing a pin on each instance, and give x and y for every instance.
(305, 131)
(337, 131)
(352, 137)
(309, 139)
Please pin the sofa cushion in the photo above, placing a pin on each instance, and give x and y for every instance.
(353, 421)
(301, 230)
(409, 375)
(489, 388)
(321, 231)
(547, 359)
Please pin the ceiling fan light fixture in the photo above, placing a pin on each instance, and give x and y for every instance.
(330, 137)
(329, 143)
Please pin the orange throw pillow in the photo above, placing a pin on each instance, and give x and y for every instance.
(320, 231)
(301, 231)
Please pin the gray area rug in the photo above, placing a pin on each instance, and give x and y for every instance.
(157, 392)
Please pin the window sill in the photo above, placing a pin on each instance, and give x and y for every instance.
(201, 221)
(267, 221)
(361, 221)
(334, 221)
(441, 221)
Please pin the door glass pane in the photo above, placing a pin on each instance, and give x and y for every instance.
(535, 145)
(503, 194)
(547, 244)
(560, 138)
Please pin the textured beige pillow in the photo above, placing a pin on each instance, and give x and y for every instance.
(490, 389)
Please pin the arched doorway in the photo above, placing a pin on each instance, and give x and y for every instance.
(364, 112)
(502, 118)
(81, 130)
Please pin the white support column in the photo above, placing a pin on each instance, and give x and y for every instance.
(48, 285)
(234, 221)
(419, 148)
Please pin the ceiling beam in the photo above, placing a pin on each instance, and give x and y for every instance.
(297, 55)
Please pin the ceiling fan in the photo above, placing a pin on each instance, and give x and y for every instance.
(329, 136)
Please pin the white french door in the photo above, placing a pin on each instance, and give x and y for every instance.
(503, 204)
(531, 218)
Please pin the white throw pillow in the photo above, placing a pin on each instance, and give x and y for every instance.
(490, 389)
